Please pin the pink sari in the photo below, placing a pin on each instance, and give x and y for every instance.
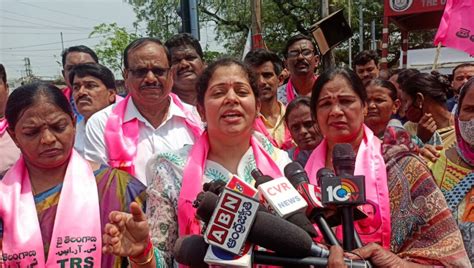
(370, 163)
(121, 138)
(77, 237)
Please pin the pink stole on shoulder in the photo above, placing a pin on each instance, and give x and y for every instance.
(259, 126)
(3, 125)
(77, 236)
(121, 138)
(370, 163)
(193, 180)
(290, 92)
(67, 92)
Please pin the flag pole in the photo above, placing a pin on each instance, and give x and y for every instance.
(438, 51)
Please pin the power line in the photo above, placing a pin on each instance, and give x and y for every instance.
(59, 11)
(40, 19)
(55, 33)
(53, 43)
(44, 25)
(35, 27)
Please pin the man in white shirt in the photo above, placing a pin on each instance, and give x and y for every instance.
(162, 121)
(93, 89)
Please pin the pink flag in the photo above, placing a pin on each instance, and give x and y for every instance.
(456, 29)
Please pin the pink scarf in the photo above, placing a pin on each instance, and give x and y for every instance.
(3, 125)
(290, 92)
(121, 138)
(287, 142)
(370, 163)
(193, 175)
(67, 92)
(77, 231)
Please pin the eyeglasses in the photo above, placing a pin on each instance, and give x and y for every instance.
(142, 72)
(307, 53)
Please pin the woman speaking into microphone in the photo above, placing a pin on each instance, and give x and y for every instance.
(227, 101)
(411, 222)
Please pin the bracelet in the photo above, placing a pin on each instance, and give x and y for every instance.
(146, 253)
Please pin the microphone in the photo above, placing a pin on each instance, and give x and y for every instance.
(268, 231)
(296, 217)
(299, 178)
(191, 250)
(346, 191)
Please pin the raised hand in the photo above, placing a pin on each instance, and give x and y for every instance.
(126, 234)
(426, 127)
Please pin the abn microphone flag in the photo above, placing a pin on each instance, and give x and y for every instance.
(456, 29)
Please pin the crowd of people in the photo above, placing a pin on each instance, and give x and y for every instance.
(90, 178)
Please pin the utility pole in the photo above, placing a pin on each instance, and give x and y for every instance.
(62, 41)
(328, 58)
(350, 39)
(28, 72)
(361, 26)
(257, 40)
(194, 19)
(373, 43)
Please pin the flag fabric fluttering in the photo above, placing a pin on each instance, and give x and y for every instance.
(456, 29)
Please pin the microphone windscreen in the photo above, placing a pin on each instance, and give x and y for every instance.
(215, 186)
(279, 235)
(325, 172)
(256, 173)
(190, 251)
(295, 173)
(303, 222)
(261, 180)
(343, 151)
(343, 159)
(207, 206)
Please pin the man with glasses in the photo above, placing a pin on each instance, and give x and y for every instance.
(302, 60)
(148, 121)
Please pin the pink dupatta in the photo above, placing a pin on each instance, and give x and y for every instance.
(3, 126)
(370, 163)
(77, 236)
(290, 92)
(121, 138)
(193, 180)
(287, 142)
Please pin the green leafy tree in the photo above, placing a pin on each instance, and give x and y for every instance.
(111, 47)
(280, 20)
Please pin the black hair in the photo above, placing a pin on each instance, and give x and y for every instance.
(427, 84)
(184, 39)
(207, 74)
(27, 95)
(96, 70)
(258, 57)
(405, 74)
(296, 38)
(137, 43)
(385, 84)
(327, 76)
(82, 49)
(364, 57)
(296, 102)
(462, 65)
(463, 91)
(3, 73)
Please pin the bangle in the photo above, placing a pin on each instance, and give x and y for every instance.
(148, 253)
